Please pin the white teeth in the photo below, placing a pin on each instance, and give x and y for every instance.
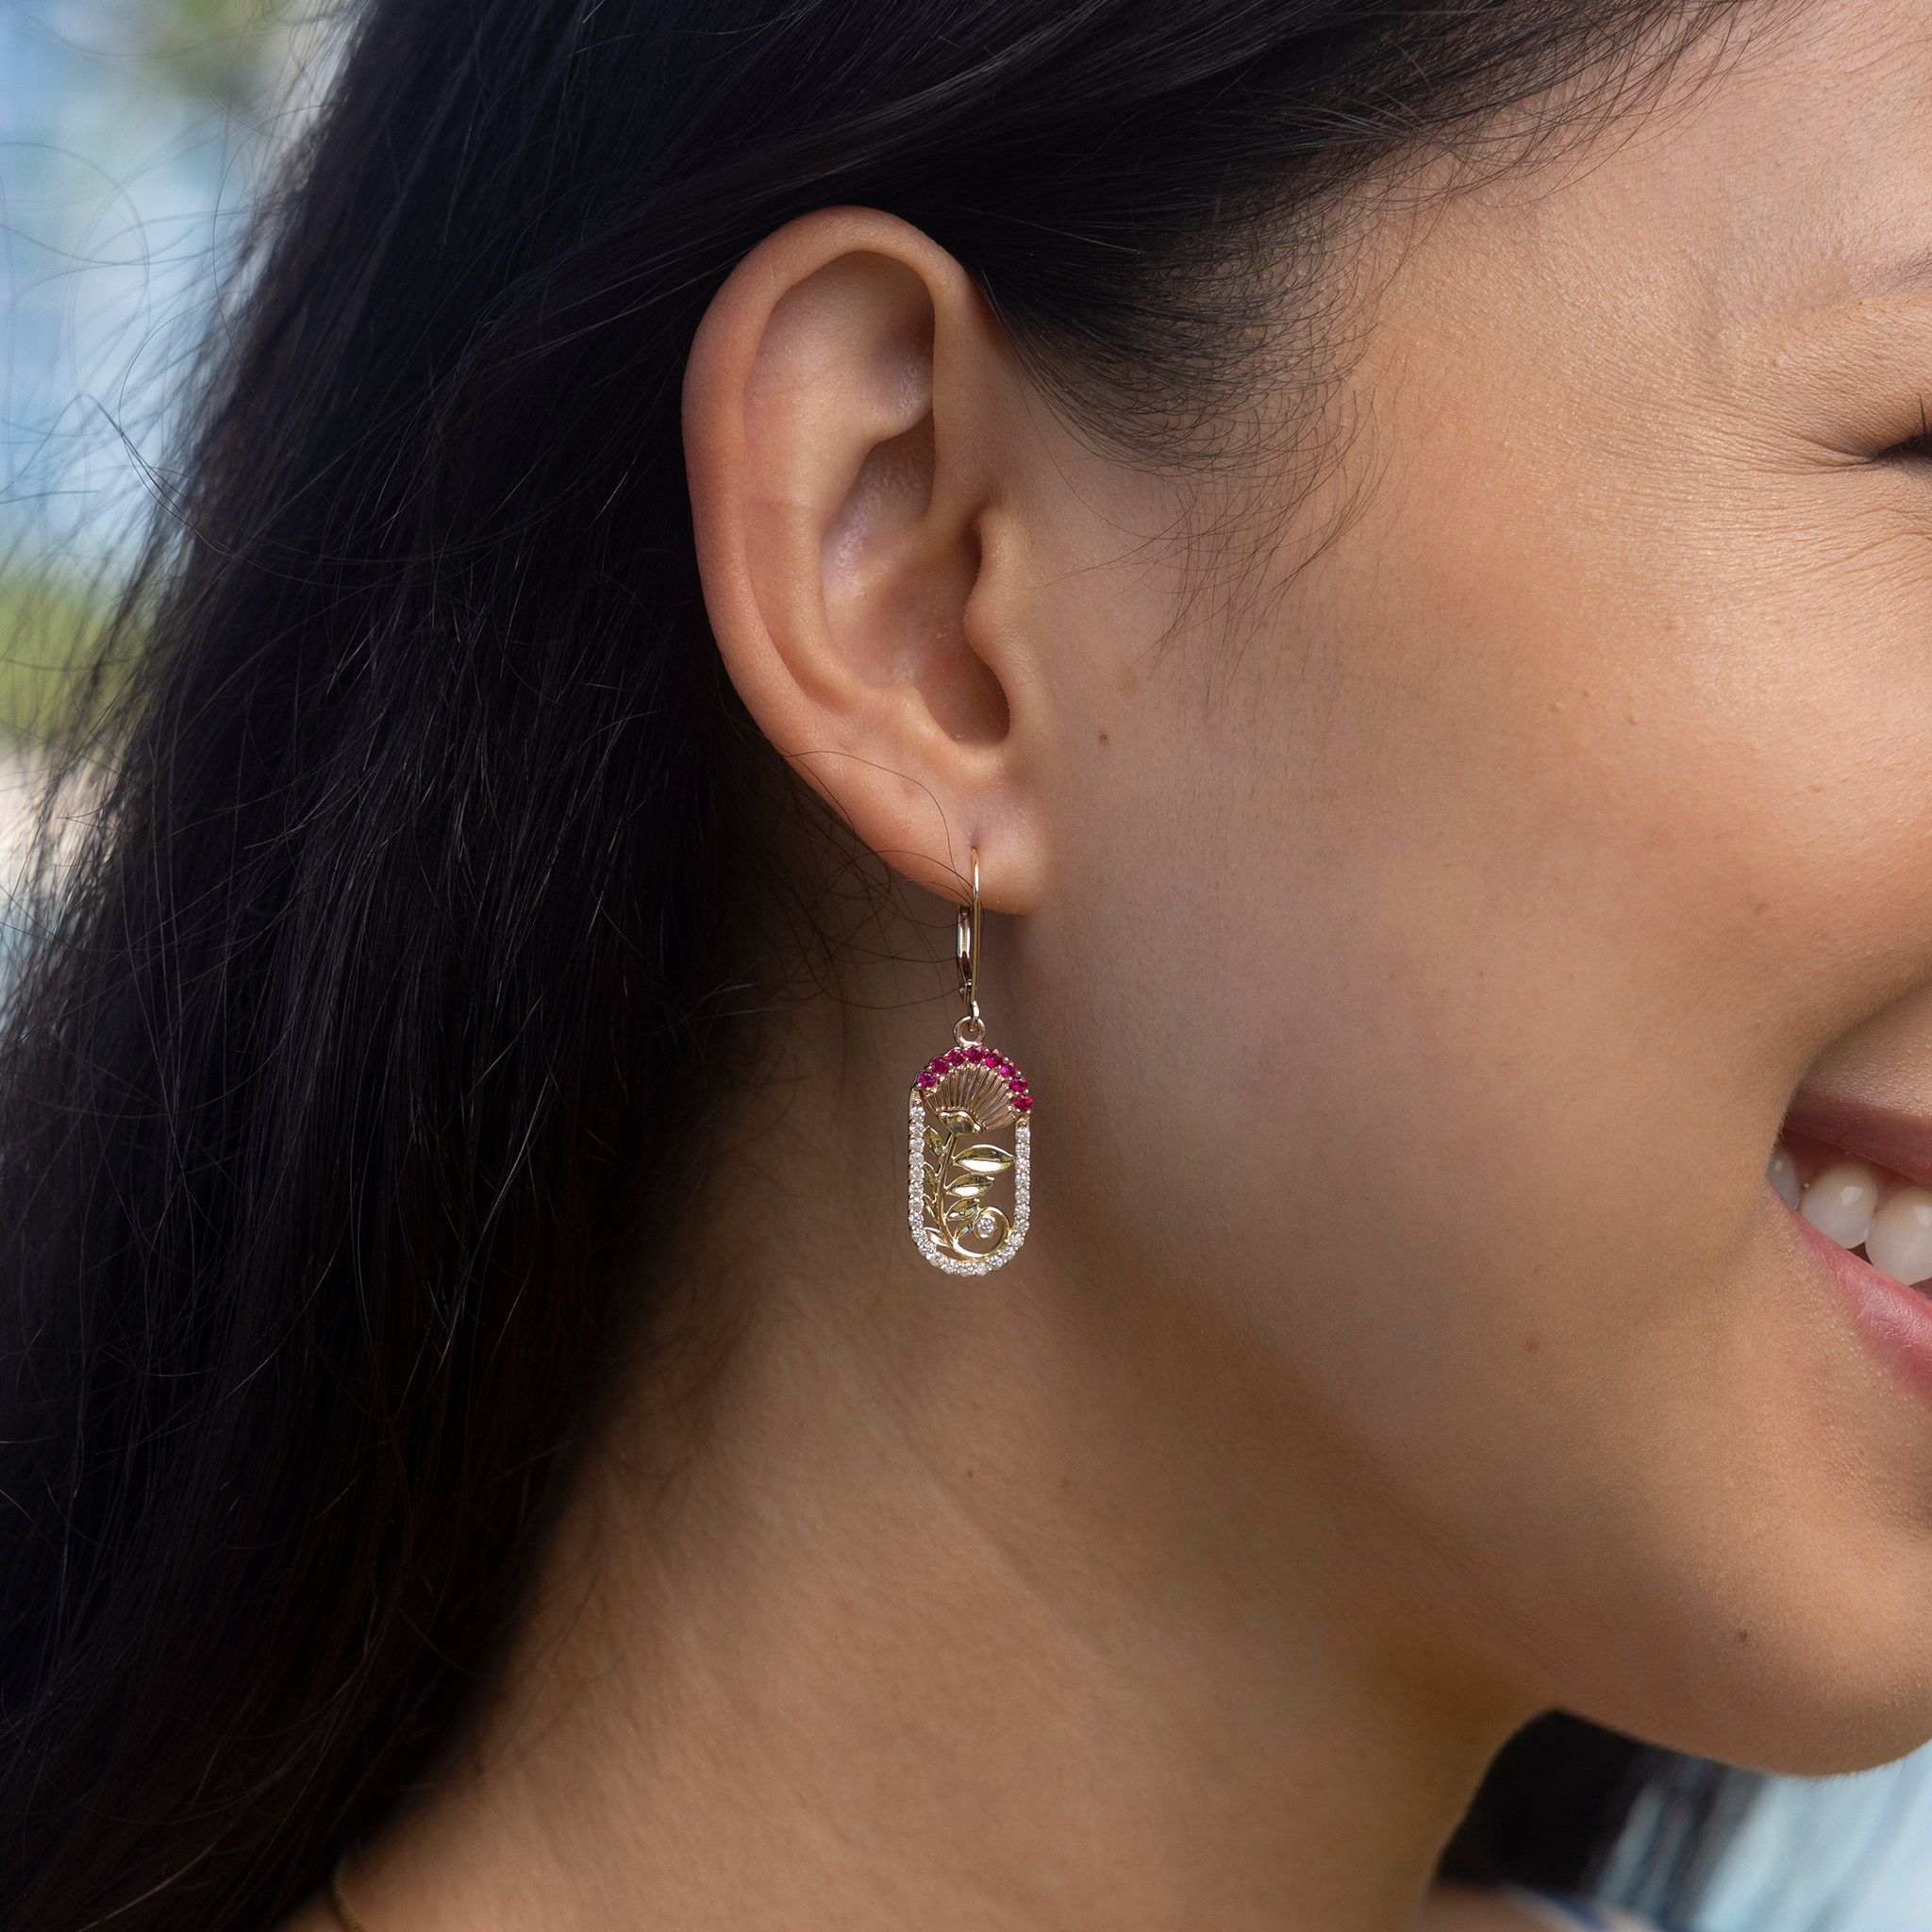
(1783, 1177)
(1900, 1244)
(1843, 1203)
(1840, 1202)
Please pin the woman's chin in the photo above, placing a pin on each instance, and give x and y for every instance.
(1803, 1682)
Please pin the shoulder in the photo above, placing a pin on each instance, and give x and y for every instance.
(1509, 1908)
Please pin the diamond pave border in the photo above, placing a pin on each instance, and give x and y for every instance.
(926, 1240)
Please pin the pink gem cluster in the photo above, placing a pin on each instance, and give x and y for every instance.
(939, 1067)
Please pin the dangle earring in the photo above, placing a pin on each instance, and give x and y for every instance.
(969, 1199)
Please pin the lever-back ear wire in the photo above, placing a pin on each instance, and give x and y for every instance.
(972, 1029)
(962, 1217)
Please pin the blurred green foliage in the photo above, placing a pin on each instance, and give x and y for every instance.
(49, 631)
(227, 50)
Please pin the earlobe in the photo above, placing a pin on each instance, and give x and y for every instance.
(836, 405)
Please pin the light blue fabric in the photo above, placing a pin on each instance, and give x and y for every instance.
(1568, 1910)
(1834, 1855)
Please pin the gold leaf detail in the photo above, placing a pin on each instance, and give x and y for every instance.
(985, 1159)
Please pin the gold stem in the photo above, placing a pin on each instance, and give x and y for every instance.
(945, 1169)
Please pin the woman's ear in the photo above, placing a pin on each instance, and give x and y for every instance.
(849, 406)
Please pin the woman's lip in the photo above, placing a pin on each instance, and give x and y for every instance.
(1882, 1135)
(1897, 1318)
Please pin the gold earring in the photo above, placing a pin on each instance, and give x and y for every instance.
(962, 1213)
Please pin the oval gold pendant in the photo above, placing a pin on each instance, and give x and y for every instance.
(969, 1196)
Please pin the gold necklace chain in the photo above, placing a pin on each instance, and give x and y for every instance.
(338, 1903)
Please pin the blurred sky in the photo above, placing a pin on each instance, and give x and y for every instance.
(132, 133)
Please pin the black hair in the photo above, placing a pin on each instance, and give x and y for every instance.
(377, 976)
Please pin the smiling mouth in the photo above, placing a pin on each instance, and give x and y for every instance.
(1861, 1176)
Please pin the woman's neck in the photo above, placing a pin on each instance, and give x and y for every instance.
(1007, 1601)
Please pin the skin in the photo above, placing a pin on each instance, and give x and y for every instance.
(1415, 902)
